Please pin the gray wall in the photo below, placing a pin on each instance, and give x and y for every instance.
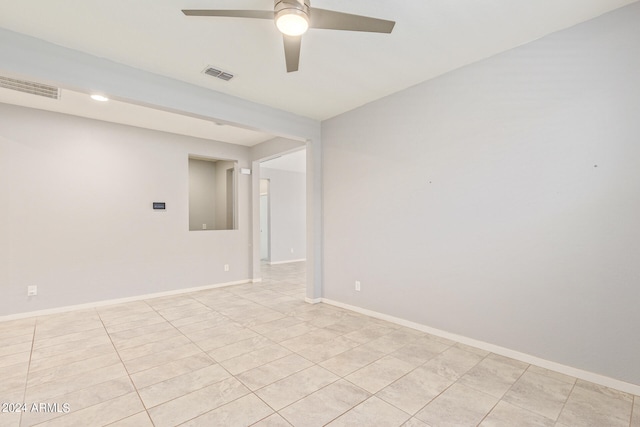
(77, 219)
(224, 211)
(264, 151)
(39, 60)
(211, 194)
(501, 201)
(202, 194)
(287, 204)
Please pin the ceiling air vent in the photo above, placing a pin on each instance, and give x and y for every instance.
(218, 73)
(30, 87)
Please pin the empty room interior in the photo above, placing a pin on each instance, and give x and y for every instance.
(295, 213)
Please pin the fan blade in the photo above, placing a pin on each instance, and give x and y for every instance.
(332, 20)
(292, 52)
(257, 14)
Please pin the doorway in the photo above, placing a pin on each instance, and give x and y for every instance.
(283, 208)
(286, 243)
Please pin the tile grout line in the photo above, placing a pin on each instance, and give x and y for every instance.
(211, 410)
(343, 377)
(285, 315)
(206, 354)
(322, 388)
(264, 364)
(26, 378)
(126, 370)
(63, 335)
(188, 338)
(364, 366)
(414, 369)
(451, 385)
(215, 361)
(564, 404)
(359, 345)
(270, 415)
(376, 396)
(60, 415)
(500, 399)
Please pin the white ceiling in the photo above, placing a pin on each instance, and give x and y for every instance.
(338, 70)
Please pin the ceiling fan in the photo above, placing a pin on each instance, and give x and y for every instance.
(294, 17)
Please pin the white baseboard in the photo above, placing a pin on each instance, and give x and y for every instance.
(116, 301)
(287, 262)
(256, 280)
(527, 358)
(313, 300)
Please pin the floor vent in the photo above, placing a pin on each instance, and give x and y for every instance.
(214, 72)
(30, 87)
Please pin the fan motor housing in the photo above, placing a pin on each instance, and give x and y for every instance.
(302, 6)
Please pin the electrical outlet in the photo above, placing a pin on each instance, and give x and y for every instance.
(204, 226)
(226, 267)
(291, 250)
(32, 291)
(358, 285)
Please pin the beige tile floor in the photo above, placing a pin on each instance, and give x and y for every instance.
(256, 354)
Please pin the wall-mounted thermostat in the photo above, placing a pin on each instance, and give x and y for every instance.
(245, 171)
(159, 205)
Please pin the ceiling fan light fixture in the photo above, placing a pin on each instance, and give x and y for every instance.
(293, 19)
(292, 22)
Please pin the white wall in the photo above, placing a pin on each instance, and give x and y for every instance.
(78, 222)
(287, 213)
(472, 203)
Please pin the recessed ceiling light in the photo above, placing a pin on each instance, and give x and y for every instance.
(100, 98)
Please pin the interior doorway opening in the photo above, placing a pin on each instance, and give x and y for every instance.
(283, 208)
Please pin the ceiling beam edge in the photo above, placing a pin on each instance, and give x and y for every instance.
(31, 58)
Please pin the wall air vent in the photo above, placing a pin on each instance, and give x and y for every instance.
(211, 71)
(30, 87)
